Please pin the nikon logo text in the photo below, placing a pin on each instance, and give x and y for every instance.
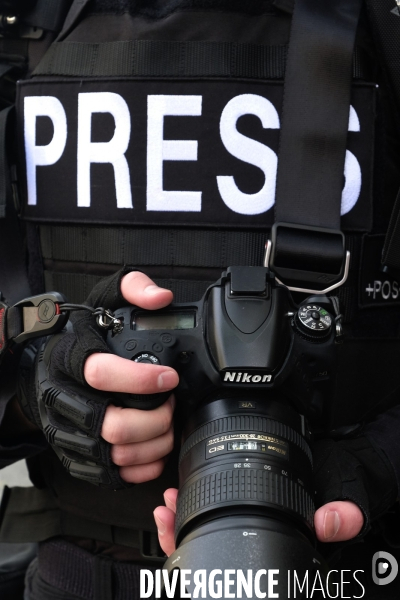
(241, 377)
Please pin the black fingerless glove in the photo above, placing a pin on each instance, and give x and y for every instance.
(54, 395)
(356, 470)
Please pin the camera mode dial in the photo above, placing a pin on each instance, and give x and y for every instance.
(313, 321)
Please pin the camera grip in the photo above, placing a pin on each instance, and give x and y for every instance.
(141, 401)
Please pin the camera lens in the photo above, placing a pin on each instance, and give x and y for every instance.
(243, 456)
(246, 497)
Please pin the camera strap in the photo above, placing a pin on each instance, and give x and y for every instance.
(307, 244)
(45, 15)
(385, 21)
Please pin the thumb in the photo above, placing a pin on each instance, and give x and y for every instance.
(338, 521)
(139, 289)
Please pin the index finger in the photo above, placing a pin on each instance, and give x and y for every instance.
(139, 289)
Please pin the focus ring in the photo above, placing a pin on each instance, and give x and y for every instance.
(247, 486)
(245, 423)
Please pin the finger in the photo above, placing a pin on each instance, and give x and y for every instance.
(139, 289)
(165, 521)
(338, 521)
(131, 425)
(170, 497)
(142, 473)
(141, 453)
(112, 373)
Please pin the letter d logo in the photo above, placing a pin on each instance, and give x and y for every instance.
(384, 568)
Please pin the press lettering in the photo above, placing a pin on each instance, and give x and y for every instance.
(160, 150)
(352, 171)
(249, 151)
(124, 147)
(112, 152)
(42, 106)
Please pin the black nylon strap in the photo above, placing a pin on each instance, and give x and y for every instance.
(142, 58)
(75, 286)
(13, 275)
(14, 322)
(73, 15)
(99, 251)
(152, 246)
(30, 514)
(163, 58)
(5, 68)
(391, 248)
(48, 14)
(4, 169)
(385, 21)
(316, 113)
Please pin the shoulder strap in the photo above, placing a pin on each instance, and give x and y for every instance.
(384, 16)
(385, 21)
(13, 274)
(308, 246)
(73, 15)
(48, 14)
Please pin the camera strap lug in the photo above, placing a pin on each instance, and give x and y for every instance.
(298, 256)
(36, 316)
(43, 315)
(32, 317)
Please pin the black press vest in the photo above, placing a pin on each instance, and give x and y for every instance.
(148, 136)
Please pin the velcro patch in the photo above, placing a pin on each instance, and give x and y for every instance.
(161, 152)
(376, 288)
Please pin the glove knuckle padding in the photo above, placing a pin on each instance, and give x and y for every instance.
(70, 412)
(354, 470)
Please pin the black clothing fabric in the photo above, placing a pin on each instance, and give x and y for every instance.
(384, 433)
(358, 471)
(77, 256)
(79, 252)
(14, 560)
(62, 571)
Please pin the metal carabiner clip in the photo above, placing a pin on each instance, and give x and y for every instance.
(107, 320)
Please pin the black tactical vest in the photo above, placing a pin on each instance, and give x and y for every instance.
(148, 136)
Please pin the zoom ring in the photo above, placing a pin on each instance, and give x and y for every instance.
(247, 486)
(248, 423)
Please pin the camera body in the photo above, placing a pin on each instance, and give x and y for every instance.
(255, 371)
(246, 334)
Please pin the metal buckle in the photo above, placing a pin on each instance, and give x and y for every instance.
(308, 277)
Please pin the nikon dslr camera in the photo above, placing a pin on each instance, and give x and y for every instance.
(255, 371)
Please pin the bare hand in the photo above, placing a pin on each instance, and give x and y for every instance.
(334, 522)
(338, 521)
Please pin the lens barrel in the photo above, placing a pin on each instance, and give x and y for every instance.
(245, 456)
(245, 504)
